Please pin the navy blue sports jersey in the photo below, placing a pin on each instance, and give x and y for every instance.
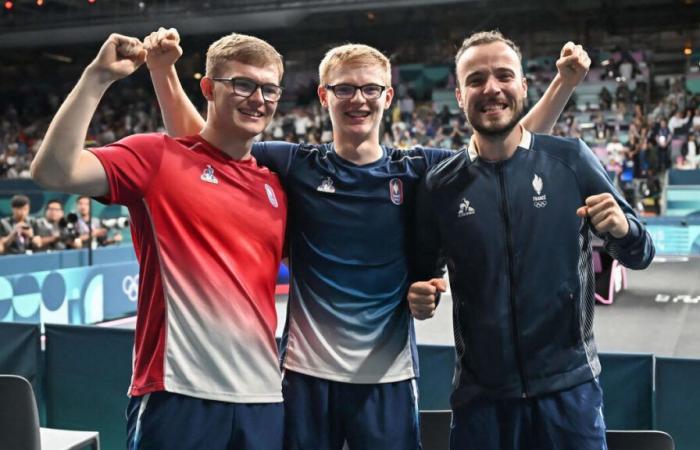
(349, 232)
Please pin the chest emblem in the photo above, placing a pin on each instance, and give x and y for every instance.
(208, 175)
(271, 195)
(465, 209)
(326, 186)
(396, 191)
(539, 200)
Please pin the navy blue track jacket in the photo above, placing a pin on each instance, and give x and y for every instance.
(519, 260)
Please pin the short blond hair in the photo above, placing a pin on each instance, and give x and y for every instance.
(355, 55)
(483, 38)
(244, 49)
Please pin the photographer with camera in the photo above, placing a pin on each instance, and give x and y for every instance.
(56, 231)
(18, 233)
(87, 224)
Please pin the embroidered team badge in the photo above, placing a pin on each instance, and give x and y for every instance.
(539, 200)
(208, 175)
(271, 195)
(396, 191)
(465, 209)
(326, 186)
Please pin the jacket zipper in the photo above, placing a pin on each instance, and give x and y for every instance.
(511, 293)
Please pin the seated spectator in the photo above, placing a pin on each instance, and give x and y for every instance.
(605, 99)
(87, 223)
(696, 120)
(616, 153)
(19, 233)
(678, 123)
(57, 232)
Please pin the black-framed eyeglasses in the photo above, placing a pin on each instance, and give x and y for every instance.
(245, 87)
(347, 91)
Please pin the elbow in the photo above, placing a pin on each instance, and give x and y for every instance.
(38, 174)
(41, 176)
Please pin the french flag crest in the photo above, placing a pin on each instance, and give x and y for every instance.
(396, 191)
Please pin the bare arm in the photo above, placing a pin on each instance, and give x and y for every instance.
(180, 116)
(62, 163)
(572, 67)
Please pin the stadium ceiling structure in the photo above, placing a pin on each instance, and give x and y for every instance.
(66, 22)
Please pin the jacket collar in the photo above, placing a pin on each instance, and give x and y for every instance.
(525, 142)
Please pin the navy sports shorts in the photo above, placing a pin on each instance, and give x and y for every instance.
(323, 415)
(164, 420)
(568, 419)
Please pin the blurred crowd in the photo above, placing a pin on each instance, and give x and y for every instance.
(633, 137)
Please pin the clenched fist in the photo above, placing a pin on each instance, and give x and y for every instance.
(605, 215)
(573, 64)
(422, 297)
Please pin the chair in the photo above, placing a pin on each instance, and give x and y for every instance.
(435, 429)
(639, 440)
(19, 422)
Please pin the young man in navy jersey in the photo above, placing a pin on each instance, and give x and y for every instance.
(205, 371)
(349, 353)
(513, 218)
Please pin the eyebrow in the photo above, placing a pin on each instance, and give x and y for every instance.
(497, 71)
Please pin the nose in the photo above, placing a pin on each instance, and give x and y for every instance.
(492, 86)
(357, 97)
(257, 96)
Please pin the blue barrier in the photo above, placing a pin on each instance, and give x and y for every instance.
(88, 368)
(15, 264)
(20, 354)
(88, 371)
(70, 296)
(678, 400)
(684, 177)
(628, 385)
(674, 235)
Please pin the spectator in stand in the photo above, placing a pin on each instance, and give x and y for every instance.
(605, 99)
(86, 224)
(616, 153)
(406, 106)
(54, 231)
(19, 232)
(602, 130)
(679, 123)
(696, 120)
(302, 123)
(662, 138)
(622, 93)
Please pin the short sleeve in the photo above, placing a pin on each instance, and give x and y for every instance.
(276, 156)
(130, 165)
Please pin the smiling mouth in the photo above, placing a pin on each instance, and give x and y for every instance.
(251, 113)
(493, 107)
(357, 114)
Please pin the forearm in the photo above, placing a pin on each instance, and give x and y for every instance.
(59, 154)
(544, 115)
(180, 116)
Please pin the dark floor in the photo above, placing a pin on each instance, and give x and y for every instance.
(659, 312)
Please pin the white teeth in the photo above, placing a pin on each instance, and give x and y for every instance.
(497, 107)
(251, 113)
(357, 113)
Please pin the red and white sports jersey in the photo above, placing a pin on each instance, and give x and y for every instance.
(208, 232)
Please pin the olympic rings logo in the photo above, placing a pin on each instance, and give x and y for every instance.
(130, 287)
(539, 204)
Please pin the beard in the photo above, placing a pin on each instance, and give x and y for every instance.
(498, 131)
